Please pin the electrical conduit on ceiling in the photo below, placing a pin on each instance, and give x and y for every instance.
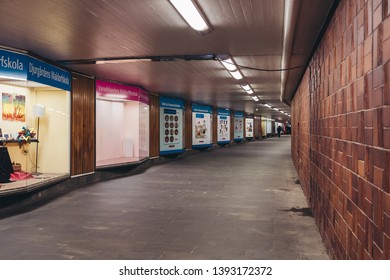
(290, 16)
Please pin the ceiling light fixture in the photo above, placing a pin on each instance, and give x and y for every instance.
(191, 14)
(236, 74)
(247, 88)
(117, 61)
(255, 98)
(229, 64)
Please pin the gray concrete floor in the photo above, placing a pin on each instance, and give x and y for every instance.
(230, 203)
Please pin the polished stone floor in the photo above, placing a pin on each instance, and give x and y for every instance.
(238, 202)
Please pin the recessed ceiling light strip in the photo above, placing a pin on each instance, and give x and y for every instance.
(192, 15)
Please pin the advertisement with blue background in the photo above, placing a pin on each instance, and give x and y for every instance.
(201, 126)
(23, 67)
(238, 126)
(223, 126)
(171, 125)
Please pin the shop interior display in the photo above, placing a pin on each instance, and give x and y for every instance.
(122, 123)
(29, 130)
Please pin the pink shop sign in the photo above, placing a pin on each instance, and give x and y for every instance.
(116, 91)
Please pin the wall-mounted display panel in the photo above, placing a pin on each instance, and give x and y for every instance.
(269, 126)
(171, 125)
(223, 126)
(201, 126)
(249, 127)
(238, 126)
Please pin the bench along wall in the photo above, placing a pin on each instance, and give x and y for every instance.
(341, 145)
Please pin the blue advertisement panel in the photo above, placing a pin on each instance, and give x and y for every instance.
(22, 67)
(13, 65)
(171, 125)
(223, 126)
(201, 126)
(41, 72)
(202, 109)
(238, 126)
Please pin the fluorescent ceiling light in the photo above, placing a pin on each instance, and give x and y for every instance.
(255, 98)
(229, 64)
(246, 87)
(117, 61)
(191, 15)
(236, 75)
(267, 105)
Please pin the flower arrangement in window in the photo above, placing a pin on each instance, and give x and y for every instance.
(25, 135)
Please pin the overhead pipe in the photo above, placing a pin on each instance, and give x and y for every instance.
(290, 18)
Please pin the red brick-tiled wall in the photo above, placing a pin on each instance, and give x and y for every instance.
(341, 131)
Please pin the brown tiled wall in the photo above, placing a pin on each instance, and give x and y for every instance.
(341, 131)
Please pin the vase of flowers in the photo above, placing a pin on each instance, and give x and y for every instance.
(25, 135)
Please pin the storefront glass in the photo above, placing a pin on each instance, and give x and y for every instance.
(122, 124)
(35, 122)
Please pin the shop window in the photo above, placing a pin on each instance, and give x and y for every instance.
(35, 133)
(122, 124)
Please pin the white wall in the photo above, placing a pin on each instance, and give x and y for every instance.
(54, 131)
(109, 129)
(143, 130)
(122, 129)
(131, 125)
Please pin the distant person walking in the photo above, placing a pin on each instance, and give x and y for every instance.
(279, 130)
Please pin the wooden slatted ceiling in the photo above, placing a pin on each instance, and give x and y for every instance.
(250, 30)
